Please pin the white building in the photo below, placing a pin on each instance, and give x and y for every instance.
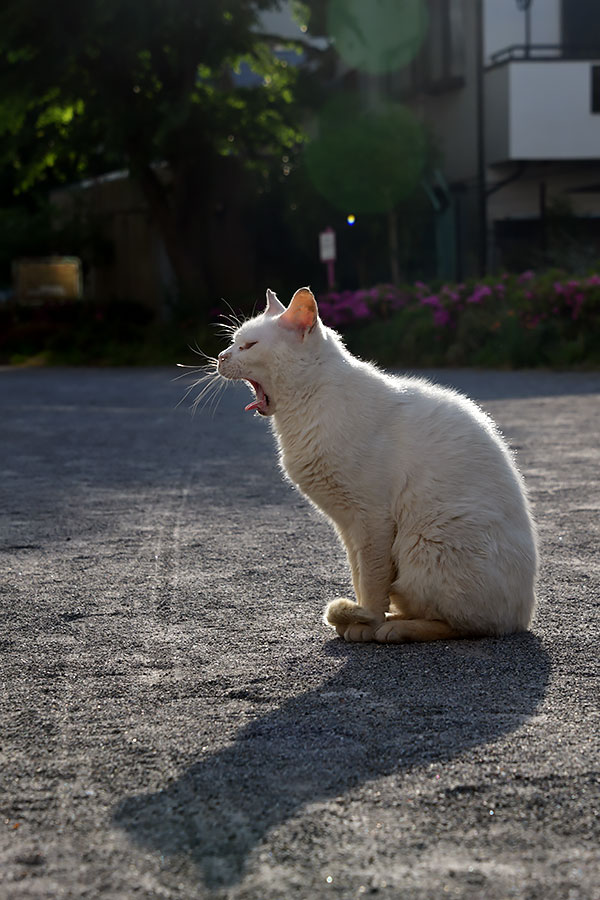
(510, 90)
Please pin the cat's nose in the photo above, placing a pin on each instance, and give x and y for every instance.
(223, 356)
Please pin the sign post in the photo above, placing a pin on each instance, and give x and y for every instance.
(327, 254)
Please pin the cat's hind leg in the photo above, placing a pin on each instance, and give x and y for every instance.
(400, 631)
(404, 607)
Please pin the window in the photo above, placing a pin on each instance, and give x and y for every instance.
(581, 28)
(444, 51)
(595, 73)
(440, 65)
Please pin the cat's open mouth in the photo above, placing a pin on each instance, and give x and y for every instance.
(261, 403)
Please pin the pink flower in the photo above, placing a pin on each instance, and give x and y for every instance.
(479, 293)
(577, 304)
(525, 276)
(450, 293)
(441, 317)
(431, 301)
(361, 310)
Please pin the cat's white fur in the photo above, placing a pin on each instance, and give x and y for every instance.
(418, 482)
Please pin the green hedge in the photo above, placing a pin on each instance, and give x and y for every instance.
(94, 333)
(546, 319)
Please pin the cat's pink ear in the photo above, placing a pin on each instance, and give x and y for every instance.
(274, 306)
(301, 315)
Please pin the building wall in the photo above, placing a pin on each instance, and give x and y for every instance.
(564, 183)
(542, 140)
(538, 110)
(451, 115)
(124, 259)
(550, 111)
(497, 113)
(504, 24)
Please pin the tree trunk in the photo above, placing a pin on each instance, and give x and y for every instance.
(213, 201)
(187, 268)
(204, 220)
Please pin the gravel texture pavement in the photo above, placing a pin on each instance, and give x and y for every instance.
(177, 722)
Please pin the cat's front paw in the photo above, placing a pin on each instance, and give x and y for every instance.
(357, 632)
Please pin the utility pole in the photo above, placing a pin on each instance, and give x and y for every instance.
(480, 119)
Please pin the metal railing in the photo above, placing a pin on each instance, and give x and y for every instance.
(544, 52)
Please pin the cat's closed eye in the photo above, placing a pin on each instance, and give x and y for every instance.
(248, 344)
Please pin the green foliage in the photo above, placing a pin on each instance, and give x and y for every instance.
(23, 226)
(366, 160)
(189, 95)
(84, 333)
(89, 84)
(513, 321)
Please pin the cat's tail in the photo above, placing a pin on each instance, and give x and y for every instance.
(344, 612)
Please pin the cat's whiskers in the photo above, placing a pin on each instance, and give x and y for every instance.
(199, 352)
(211, 392)
(193, 370)
(211, 383)
(216, 397)
(226, 331)
(236, 320)
(209, 379)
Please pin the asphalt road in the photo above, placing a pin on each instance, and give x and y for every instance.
(177, 722)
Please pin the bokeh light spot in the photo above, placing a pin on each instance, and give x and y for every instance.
(351, 219)
(366, 159)
(380, 36)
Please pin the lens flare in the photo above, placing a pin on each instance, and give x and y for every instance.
(380, 36)
(366, 160)
(351, 219)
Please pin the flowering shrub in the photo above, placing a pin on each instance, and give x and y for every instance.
(339, 309)
(525, 319)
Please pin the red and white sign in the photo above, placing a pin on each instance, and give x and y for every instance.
(327, 245)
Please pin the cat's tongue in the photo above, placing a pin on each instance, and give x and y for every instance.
(260, 403)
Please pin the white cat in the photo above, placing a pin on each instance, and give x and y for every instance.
(419, 484)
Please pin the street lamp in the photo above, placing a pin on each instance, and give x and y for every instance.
(525, 6)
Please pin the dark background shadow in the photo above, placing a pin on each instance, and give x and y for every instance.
(386, 710)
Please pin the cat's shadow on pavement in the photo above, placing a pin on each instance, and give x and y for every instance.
(386, 710)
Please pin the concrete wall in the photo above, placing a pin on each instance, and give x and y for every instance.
(452, 116)
(540, 110)
(550, 111)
